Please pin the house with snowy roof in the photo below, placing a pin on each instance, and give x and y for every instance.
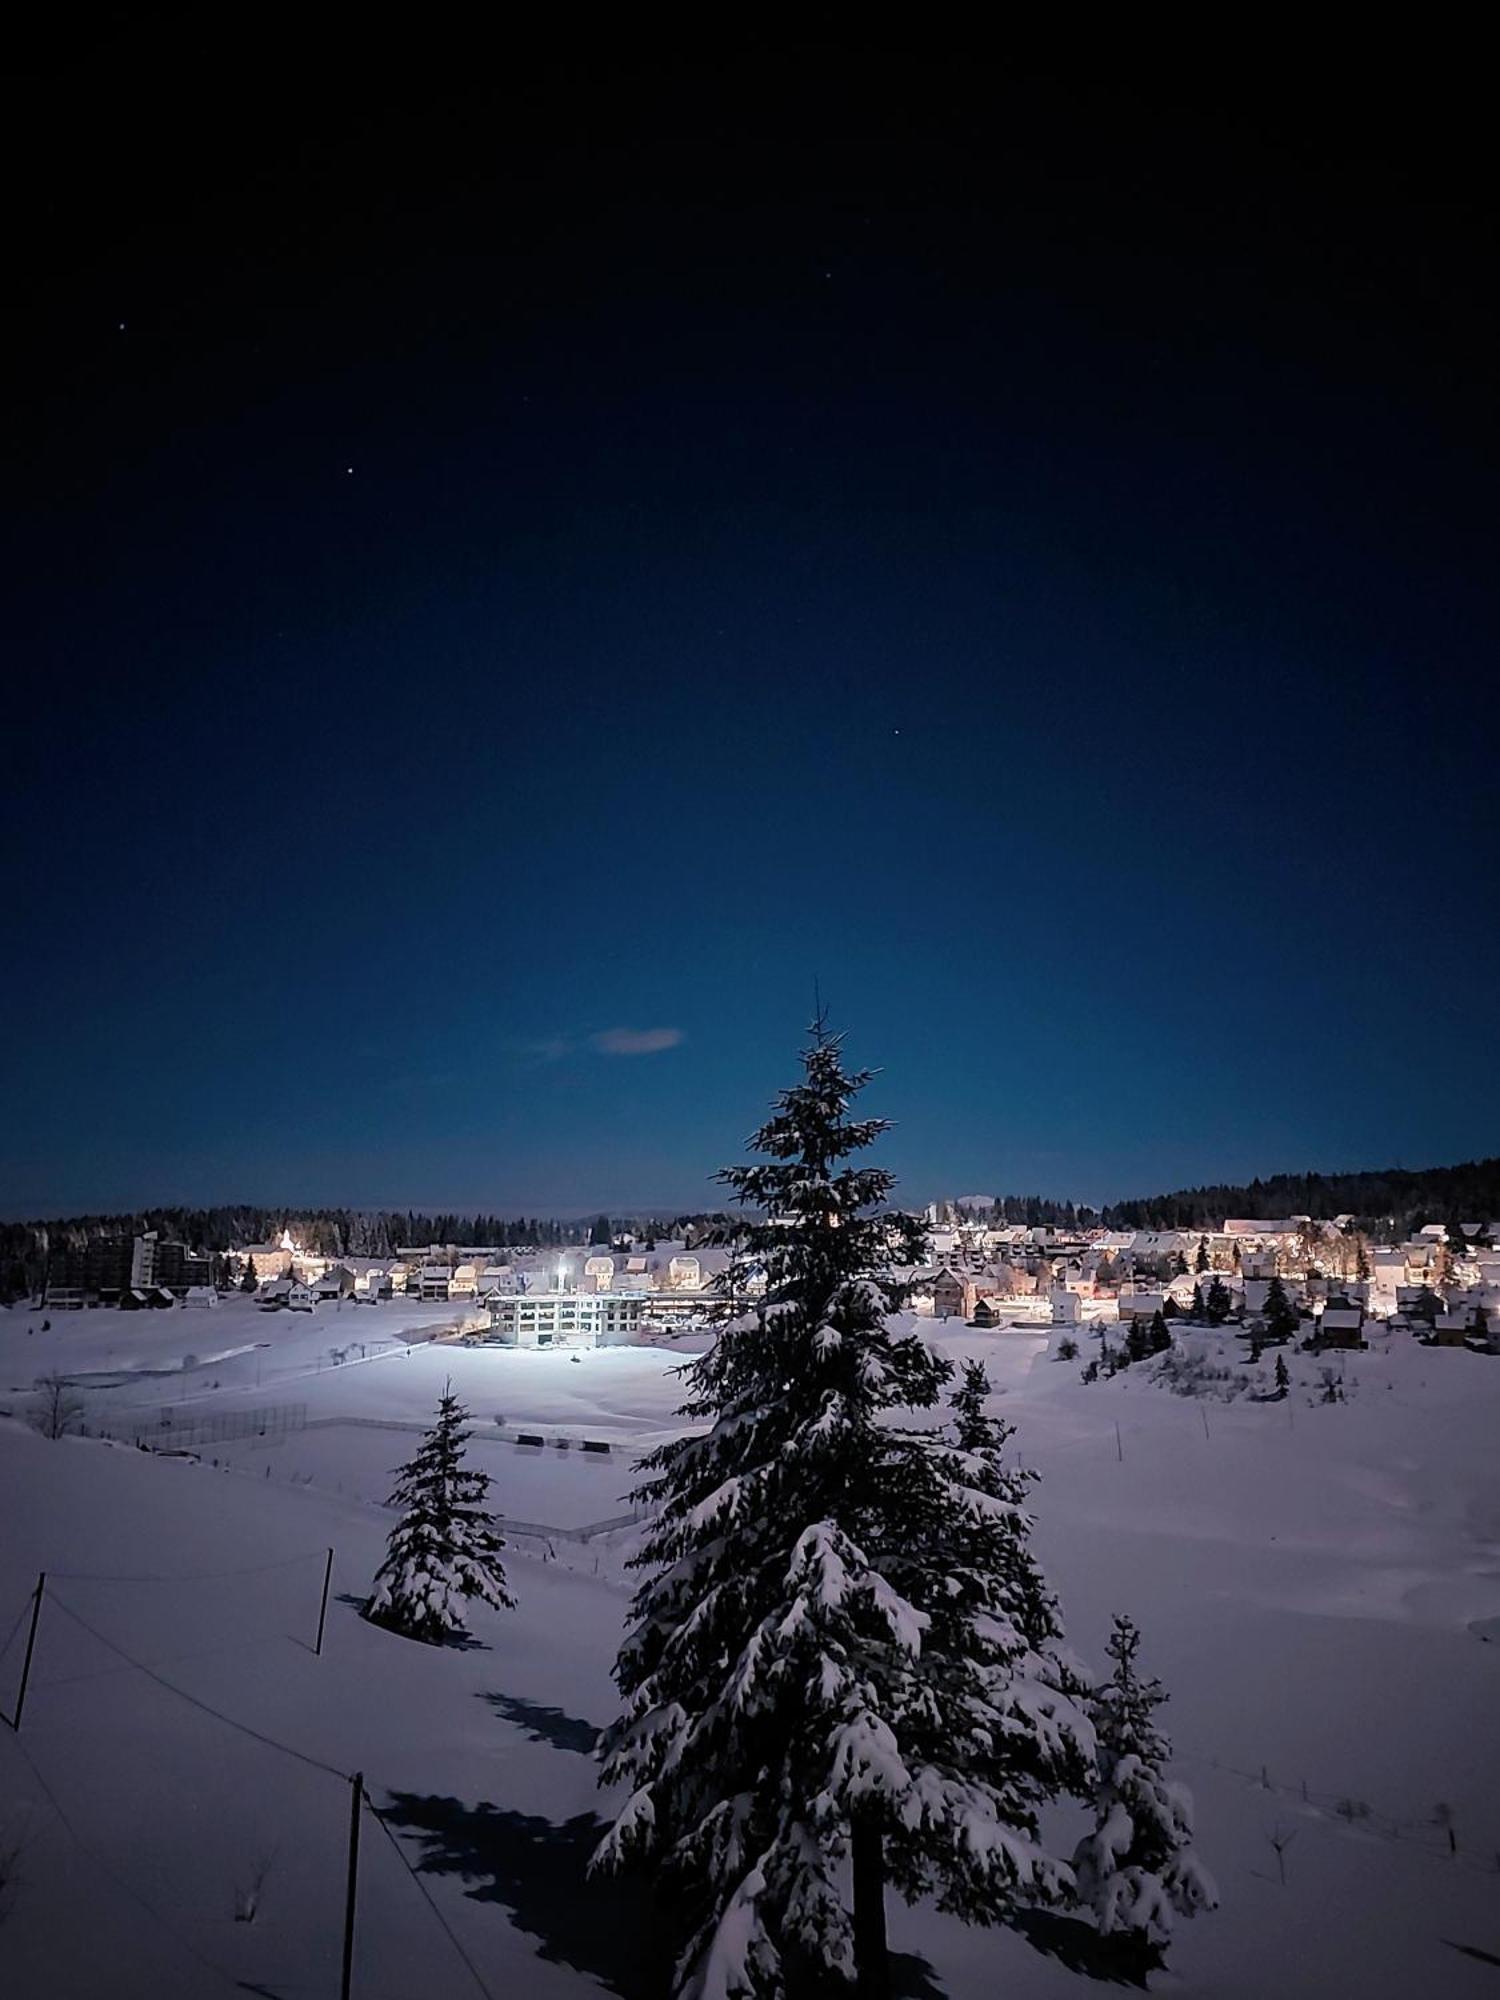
(1453, 1329)
(947, 1293)
(266, 1260)
(1341, 1326)
(1140, 1305)
(284, 1295)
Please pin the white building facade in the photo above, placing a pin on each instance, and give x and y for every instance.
(565, 1319)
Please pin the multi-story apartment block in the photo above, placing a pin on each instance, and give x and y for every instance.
(565, 1319)
(102, 1270)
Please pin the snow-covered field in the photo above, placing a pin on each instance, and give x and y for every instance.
(1319, 1586)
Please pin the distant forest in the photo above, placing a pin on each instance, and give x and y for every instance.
(328, 1232)
(1390, 1201)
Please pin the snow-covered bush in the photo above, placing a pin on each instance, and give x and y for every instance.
(1188, 1374)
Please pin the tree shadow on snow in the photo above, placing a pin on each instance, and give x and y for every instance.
(466, 1644)
(605, 1925)
(1125, 1959)
(911, 1978)
(538, 1871)
(1473, 1951)
(546, 1725)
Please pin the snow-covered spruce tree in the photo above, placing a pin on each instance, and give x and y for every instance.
(1137, 1870)
(832, 1660)
(1280, 1314)
(993, 1681)
(444, 1550)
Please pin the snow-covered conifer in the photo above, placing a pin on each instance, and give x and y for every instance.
(1137, 1870)
(1217, 1302)
(1280, 1314)
(444, 1552)
(994, 1694)
(837, 1654)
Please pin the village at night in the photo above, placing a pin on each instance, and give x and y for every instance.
(629, 677)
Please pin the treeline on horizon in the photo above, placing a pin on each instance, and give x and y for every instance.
(25, 1247)
(1388, 1200)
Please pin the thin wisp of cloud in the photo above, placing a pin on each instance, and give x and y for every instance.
(634, 1041)
(603, 1042)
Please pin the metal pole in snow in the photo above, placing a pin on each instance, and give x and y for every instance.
(36, 1612)
(323, 1608)
(356, 1795)
(1119, 1446)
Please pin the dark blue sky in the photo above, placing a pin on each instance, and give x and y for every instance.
(1021, 556)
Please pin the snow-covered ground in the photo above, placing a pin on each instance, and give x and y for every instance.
(1319, 1586)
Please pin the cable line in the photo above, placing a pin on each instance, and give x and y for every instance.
(189, 1576)
(270, 1742)
(20, 1621)
(427, 1896)
(125, 1889)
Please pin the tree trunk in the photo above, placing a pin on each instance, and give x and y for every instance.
(872, 1965)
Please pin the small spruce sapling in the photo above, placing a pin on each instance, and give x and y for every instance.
(1137, 1870)
(444, 1552)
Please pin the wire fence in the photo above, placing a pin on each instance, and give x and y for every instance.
(171, 1429)
(130, 1662)
(1433, 1834)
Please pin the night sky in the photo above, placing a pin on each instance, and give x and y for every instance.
(507, 586)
